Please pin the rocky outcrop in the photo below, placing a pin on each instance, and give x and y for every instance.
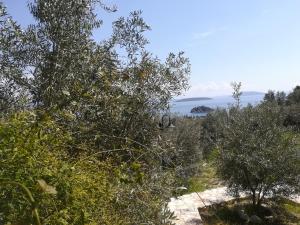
(201, 109)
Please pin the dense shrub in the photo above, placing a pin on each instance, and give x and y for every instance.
(91, 134)
(183, 145)
(211, 131)
(257, 154)
(278, 97)
(68, 190)
(32, 151)
(292, 116)
(290, 106)
(294, 96)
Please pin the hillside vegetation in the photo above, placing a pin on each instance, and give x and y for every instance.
(86, 136)
(79, 136)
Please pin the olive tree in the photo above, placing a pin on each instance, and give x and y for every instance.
(257, 155)
(279, 97)
(64, 68)
(211, 131)
(291, 110)
(183, 147)
(107, 99)
(294, 96)
(12, 64)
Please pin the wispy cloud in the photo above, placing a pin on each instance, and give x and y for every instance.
(202, 35)
(208, 33)
(209, 89)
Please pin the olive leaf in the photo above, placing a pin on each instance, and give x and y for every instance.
(46, 187)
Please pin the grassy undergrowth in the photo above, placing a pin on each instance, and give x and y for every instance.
(274, 212)
(206, 179)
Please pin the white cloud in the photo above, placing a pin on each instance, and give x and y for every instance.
(209, 89)
(202, 35)
(211, 32)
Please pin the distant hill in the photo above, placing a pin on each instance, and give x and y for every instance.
(248, 93)
(193, 99)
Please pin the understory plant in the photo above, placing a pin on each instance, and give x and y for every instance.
(72, 190)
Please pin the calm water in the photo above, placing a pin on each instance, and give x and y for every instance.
(184, 108)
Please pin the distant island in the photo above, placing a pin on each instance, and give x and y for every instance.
(193, 99)
(201, 109)
(249, 93)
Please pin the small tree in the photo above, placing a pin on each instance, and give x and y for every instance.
(257, 155)
(279, 97)
(292, 109)
(269, 96)
(294, 96)
(237, 93)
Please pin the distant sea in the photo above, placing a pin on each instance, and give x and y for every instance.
(184, 107)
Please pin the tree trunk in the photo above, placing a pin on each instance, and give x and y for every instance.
(259, 201)
(253, 198)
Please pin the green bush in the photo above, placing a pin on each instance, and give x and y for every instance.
(292, 116)
(211, 131)
(32, 151)
(182, 147)
(89, 137)
(257, 154)
(71, 190)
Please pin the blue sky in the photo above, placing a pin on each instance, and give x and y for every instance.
(256, 42)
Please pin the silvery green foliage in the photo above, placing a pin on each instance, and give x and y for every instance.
(106, 100)
(58, 55)
(146, 78)
(278, 97)
(292, 109)
(257, 154)
(294, 96)
(211, 131)
(63, 50)
(63, 67)
(12, 97)
(237, 93)
(184, 152)
(12, 64)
